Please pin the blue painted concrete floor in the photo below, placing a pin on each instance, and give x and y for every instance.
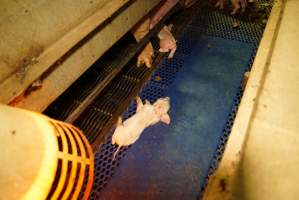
(172, 162)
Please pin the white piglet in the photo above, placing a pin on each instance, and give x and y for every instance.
(167, 41)
(128, 132)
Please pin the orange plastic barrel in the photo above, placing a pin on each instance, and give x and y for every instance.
(42, 158)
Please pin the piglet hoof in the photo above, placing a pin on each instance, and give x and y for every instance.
(171, 54)
(236, 9)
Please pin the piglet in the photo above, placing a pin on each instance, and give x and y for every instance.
(128, 132)
(139, 31)
(237, 4)
(167, 41)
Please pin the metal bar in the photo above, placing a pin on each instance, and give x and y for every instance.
(132, 51)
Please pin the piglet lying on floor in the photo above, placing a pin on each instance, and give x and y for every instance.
(147, 114)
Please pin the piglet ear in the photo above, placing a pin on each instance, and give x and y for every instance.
(147, 102)
(165, 118)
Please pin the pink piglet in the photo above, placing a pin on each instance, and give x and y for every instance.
(167, 41)
(128, 132)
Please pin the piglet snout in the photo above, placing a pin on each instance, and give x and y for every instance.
(167, 98)
(165, 119)
(161, 107)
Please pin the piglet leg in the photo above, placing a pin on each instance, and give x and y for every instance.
(172, 51)
(147, 102)
(119, 121)
(115, 153)
(237, 5)
(139, 103)
(220, 4)
(243, 5)
(141, 29)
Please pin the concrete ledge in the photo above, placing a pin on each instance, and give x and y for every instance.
(58, 77)
(223, 184)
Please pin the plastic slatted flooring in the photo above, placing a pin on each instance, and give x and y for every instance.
(163, 165)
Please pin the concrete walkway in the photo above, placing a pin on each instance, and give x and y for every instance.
(269, 163)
